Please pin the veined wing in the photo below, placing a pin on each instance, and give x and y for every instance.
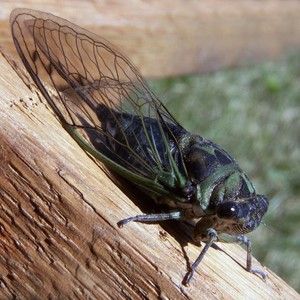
(100, 98)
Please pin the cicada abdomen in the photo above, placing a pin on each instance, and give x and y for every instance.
(105, 104)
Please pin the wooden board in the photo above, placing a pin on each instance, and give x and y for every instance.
(174, 37)
(58, 222)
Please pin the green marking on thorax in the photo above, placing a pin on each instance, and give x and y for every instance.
(209, 150)
(207, 186)
(233, 182)
(249, 184)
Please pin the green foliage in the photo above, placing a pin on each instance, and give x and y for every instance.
(254, 113)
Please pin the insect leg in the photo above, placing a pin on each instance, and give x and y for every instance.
(241, 239)
(212, 234)
(176, 215)
(247, 242)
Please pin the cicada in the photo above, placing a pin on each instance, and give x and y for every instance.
(105, 104)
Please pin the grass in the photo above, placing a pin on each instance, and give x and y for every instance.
(254, 113)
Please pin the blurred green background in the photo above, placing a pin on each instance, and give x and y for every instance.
(254, 113)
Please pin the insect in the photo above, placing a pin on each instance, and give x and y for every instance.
(104, 103)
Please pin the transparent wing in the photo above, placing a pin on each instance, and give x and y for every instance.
(95, 90)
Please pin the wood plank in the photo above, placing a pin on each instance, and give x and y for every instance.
(59, 214)
(175, 37)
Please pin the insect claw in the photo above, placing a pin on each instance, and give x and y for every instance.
(120, 224)
(125, 221)
(259, 272)
(187, 278)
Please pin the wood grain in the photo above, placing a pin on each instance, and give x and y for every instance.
(58, 215)
(175, 37)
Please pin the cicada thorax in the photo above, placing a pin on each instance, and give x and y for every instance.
(214, 171)
(203, 157)
(224, 192)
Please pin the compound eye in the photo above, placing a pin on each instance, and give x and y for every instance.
(227, 210)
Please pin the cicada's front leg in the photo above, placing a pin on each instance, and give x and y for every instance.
(241, 239)
(212, 237)
(205, 231)
(247, 243)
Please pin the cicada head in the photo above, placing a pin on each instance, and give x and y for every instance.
(234, 218)
(242, 216)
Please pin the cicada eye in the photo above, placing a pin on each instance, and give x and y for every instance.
(227, 210)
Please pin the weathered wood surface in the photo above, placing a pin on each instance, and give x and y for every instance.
(58, 222)
(174, 37)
